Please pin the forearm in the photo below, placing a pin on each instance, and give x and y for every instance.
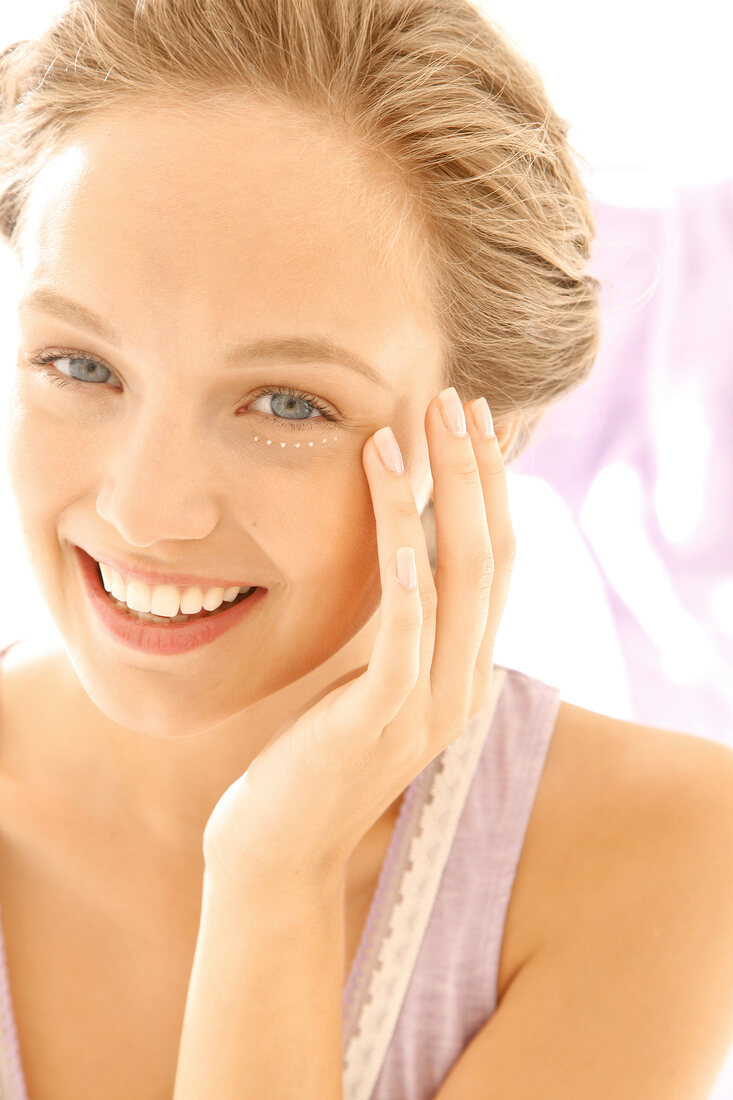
(263, 1011)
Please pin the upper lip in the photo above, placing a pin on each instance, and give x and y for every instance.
(181, 580)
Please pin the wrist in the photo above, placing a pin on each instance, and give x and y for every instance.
(274, 893)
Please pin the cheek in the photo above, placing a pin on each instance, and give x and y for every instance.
(342, 562)
(296, 444)
(316, 520)
(319, 531)
(47, 459)
(304, 464)
(318, 511)
(311, 506)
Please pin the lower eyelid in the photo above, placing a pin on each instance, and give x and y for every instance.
(309, 423)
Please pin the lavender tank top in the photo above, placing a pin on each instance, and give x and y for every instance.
(424, 978)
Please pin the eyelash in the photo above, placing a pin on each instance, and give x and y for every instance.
(53, 376)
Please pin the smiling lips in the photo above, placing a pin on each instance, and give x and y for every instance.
(166, 599)
(165, 635)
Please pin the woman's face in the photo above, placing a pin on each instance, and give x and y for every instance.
(188, 233)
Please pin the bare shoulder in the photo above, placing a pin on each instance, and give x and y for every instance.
(629, 776)
(618, 774)
(616, 800)
(617, 973)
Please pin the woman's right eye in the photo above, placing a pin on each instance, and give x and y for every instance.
(95, 372)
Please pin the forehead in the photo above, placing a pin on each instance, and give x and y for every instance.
(243, 209)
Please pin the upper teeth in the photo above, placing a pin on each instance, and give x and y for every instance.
(165, 599)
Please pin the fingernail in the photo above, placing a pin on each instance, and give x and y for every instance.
(452, 412)
(406, 567)
(482, 417)
(389, 450)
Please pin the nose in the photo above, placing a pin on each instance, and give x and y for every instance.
(156, 484)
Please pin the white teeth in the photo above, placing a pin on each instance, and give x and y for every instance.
(138, 596)
(192, 601)
(165, 600)
(213, 598)
(106, 576)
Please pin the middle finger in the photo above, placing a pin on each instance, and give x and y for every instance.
(465, 564)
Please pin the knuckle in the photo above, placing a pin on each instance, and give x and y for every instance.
(479, 561)
(466, 470)
(496, 467)
(482, 585)
(474, 563)
(508, 549)
(404, 508)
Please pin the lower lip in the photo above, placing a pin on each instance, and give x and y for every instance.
(153, 637)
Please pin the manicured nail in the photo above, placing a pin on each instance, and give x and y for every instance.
(389, 450)
(452, 412)
(482, 417)
(406, 567)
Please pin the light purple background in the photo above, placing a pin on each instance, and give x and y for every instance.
(642, 454)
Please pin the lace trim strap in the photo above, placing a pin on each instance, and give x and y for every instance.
(440, 793)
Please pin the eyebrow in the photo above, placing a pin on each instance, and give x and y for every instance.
(308, 349)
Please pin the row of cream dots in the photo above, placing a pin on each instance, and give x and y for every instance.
(310, 444)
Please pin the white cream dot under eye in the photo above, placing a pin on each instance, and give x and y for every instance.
(310, 444)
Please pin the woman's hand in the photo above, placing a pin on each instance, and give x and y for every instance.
(316, 789)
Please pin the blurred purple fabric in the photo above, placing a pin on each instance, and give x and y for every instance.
(656, 412)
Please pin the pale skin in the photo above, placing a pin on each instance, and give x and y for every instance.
(209, 246)
(147, 741)
(187, 234)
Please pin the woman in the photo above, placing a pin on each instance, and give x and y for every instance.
(273, 824)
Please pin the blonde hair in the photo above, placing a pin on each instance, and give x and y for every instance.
(429, 88)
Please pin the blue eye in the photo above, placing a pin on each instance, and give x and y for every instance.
(97, 372)
(301, 398)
